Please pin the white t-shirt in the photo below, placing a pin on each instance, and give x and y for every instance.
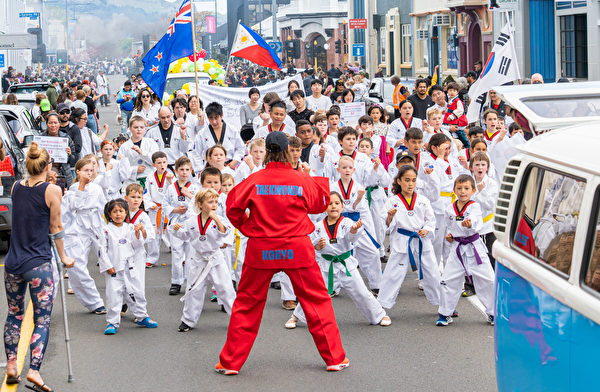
(321, 103)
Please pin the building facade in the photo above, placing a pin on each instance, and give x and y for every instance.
(393, 37)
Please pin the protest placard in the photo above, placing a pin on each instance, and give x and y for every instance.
(56, 147)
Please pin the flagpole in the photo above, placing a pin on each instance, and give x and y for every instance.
(194, 46)
(237, 29)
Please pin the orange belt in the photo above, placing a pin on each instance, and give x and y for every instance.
(158, 219)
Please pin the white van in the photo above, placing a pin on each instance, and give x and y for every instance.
(176, 80)
(547, 224)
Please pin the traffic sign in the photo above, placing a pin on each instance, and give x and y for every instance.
(358, 50)
(1, 60)
(17, 41)
(30, 15)
(358, 23)
(277, 46)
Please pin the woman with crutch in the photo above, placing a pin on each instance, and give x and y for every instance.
(35, 215)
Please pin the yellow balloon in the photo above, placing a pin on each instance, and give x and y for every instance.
(177, 68)
(186, 87)
(207, 66)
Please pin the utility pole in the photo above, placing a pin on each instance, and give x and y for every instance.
(67, 32)
(274, 19)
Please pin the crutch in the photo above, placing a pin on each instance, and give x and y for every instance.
(64, 303)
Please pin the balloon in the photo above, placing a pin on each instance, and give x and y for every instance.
(186, 87)
(206, 66)
(221, 77)
(211, 70)
(171, 66)
(165, 96)
(202, 53)
(177, 68)
(191, 68)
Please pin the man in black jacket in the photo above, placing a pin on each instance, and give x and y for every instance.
(69, 128)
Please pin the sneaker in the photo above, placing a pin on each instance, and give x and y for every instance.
(375, 292)
(100, 310)
(420, 285)
(70, 291)
(443, 321)
(110, 330)
(147, 322)
(334, 294)
(124, 309)
(149, 265)
(221, 370)
(292, 322)
(490, 319)
(385, 321)
(175, 289)
(340, 366)
(468, 292)
(289, 305)
(455, 313)
(183, 327)
(214, 297)
(275, 285)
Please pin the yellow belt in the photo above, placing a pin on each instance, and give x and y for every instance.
(449, 194)
(488, 218)
(237, 247)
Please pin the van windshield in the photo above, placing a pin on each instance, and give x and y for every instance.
(174, 84)
(566, 106)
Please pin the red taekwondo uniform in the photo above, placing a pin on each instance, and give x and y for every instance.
(278, 229)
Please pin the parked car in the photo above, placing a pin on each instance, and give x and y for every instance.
(381, 91)
(26, 92)
(21, 123)
(12, 169)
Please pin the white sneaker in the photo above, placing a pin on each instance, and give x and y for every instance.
(420, 285)
(385, 321)
(292, 322)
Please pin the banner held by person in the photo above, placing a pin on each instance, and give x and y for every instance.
(501, 67)
(175, 44)
(233, 98)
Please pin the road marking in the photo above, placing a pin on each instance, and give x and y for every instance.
(22, 348)
(477, 304)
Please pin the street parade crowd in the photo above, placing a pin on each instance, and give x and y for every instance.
(414, 190)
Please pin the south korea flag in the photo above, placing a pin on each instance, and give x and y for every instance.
(500, 67)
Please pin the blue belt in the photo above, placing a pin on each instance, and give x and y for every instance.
(355, 216)
(411, 236)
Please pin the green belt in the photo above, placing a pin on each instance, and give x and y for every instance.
(142, 182)
(336, 259)
(370, 189)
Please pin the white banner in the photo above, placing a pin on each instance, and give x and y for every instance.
(501, 67)
(56, 147)
(233, 98)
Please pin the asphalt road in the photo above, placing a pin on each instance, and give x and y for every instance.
(410, 355)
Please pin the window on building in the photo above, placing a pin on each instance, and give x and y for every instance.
(550, 206)
(406, 43)
(573, 46)
(382, 44)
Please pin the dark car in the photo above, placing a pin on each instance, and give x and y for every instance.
(21, 123)
(12, 169)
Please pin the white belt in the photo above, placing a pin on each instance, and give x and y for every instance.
(201, 274)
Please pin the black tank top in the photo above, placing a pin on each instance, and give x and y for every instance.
(29, 243)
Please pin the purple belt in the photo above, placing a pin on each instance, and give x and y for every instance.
(465, 241)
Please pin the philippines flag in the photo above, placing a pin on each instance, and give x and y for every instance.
(251, 46)
(175, 44)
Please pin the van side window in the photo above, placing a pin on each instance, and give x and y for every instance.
(592, 276)
(549, 212)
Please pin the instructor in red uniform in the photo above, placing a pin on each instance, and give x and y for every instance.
(278, 229)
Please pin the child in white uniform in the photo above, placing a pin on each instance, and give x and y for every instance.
(115, 171)
(252, 162)
(216, 156)
(178, 201)
(206, 234)
(355, 208)
(120, 242)
(468, 254)
(138, 150)
(81, 213)
(411, 223)
(334, 239)
(155, 192)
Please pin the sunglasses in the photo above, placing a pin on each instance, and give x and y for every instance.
(65, 112)
(145, 96)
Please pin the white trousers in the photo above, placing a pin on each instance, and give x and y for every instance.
(219, 276)
(116, 291)
(78, 247)
(180, 252)
(287, 291)
(357, 291)
(368, 259)
(395, 272)
(138, 283)
(378, 214)
(453, 279)
(154, 245)
(439, 238)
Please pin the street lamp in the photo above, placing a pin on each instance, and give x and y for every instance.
(315, 53)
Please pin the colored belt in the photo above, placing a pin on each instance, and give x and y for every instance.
(449, 194)
(355, 216)
(238, 240)
(336, 259)
(466, 241)
(370, 190)
(411, 236)
(488, 218)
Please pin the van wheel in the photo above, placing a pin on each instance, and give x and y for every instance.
(4, 242)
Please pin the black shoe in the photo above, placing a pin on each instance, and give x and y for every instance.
(183, 327)
(384, 259)
(100, 310)
(223, 309)
(124, 309)
(276, 286)
(234, 285)
(175, 289)
(468, 292)
(375, 292)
